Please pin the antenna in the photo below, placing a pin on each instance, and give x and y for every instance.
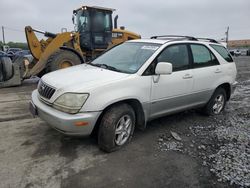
(227, 34)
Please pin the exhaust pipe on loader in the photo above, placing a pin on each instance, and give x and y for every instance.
(115, 22)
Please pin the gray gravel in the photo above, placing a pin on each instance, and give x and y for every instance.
(221, 142)
(232, 161)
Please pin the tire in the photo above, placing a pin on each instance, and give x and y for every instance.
(62, 59)
(217, 102)
(6, 68)
(1, 70)
(112, 135)
(20, 61)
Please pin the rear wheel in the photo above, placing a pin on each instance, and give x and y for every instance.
(62, 59)
(116, 128)
(217, 102)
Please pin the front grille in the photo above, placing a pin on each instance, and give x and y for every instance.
(45, 91)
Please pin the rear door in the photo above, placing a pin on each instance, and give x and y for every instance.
(171, 92)
(206, 70)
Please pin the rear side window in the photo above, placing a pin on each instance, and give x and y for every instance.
(223, 52)
(202, 57)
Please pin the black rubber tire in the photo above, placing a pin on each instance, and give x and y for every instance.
(6, 68)
(20, 61)
(208, 109)
(1, 70)
(106, 133)
(55, 60)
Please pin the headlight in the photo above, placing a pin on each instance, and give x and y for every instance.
(70, 102)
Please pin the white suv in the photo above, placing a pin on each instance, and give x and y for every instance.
(133, 83)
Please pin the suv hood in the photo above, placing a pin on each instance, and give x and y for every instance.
(79, 78)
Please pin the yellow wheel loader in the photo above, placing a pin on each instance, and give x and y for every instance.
(94, 33)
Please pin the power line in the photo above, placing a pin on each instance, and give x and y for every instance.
(4, 28)
(13, 29)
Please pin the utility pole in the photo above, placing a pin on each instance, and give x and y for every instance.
(227, 33)
(3, 35)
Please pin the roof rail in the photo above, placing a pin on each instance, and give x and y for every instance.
(208, 39)
(173, 37)
(183, 37)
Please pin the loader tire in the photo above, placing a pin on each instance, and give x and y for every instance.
(62, 59)
(6, 69)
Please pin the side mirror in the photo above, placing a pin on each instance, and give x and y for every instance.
(73, 19)
(163, 68)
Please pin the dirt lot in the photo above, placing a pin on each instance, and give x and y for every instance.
(212, 152)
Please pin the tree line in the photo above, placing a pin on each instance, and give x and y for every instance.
(21, 45)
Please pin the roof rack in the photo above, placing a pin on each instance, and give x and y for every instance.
(174, 37)
(208, 39)
(181, 37)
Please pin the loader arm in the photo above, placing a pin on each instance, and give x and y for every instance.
(34, 44)
(42, 50)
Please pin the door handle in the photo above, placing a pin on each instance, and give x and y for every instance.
(187, 76)
(217, 71)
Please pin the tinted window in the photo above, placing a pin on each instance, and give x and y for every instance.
(223, 52)
(177, 55)
(202, 56)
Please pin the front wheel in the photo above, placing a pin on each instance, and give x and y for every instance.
(116, 128)
(217, 102)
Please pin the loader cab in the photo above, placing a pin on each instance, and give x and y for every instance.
(95, 27)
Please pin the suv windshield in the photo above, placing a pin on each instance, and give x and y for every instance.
(127, 57)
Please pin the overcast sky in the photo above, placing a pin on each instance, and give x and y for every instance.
(203, 18)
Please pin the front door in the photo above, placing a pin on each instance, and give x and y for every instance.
(171, 93)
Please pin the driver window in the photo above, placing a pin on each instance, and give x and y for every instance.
(177, 55)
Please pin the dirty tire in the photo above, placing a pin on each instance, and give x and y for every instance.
(7, 70)
(107, 136)
(208, 109)
(56, 60)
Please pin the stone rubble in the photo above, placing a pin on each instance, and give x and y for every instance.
(222, 142)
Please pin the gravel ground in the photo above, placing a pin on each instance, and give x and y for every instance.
(222, 142)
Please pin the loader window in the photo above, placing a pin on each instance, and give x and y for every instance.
(82, 21)
(108, 22)
(101, 21)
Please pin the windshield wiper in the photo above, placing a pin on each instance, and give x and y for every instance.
(105, 66)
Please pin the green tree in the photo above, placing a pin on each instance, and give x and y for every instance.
(11, 44)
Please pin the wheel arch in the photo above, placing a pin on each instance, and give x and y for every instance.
(227, 88)
(137, 107)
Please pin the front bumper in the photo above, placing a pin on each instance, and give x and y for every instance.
(63, 122)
